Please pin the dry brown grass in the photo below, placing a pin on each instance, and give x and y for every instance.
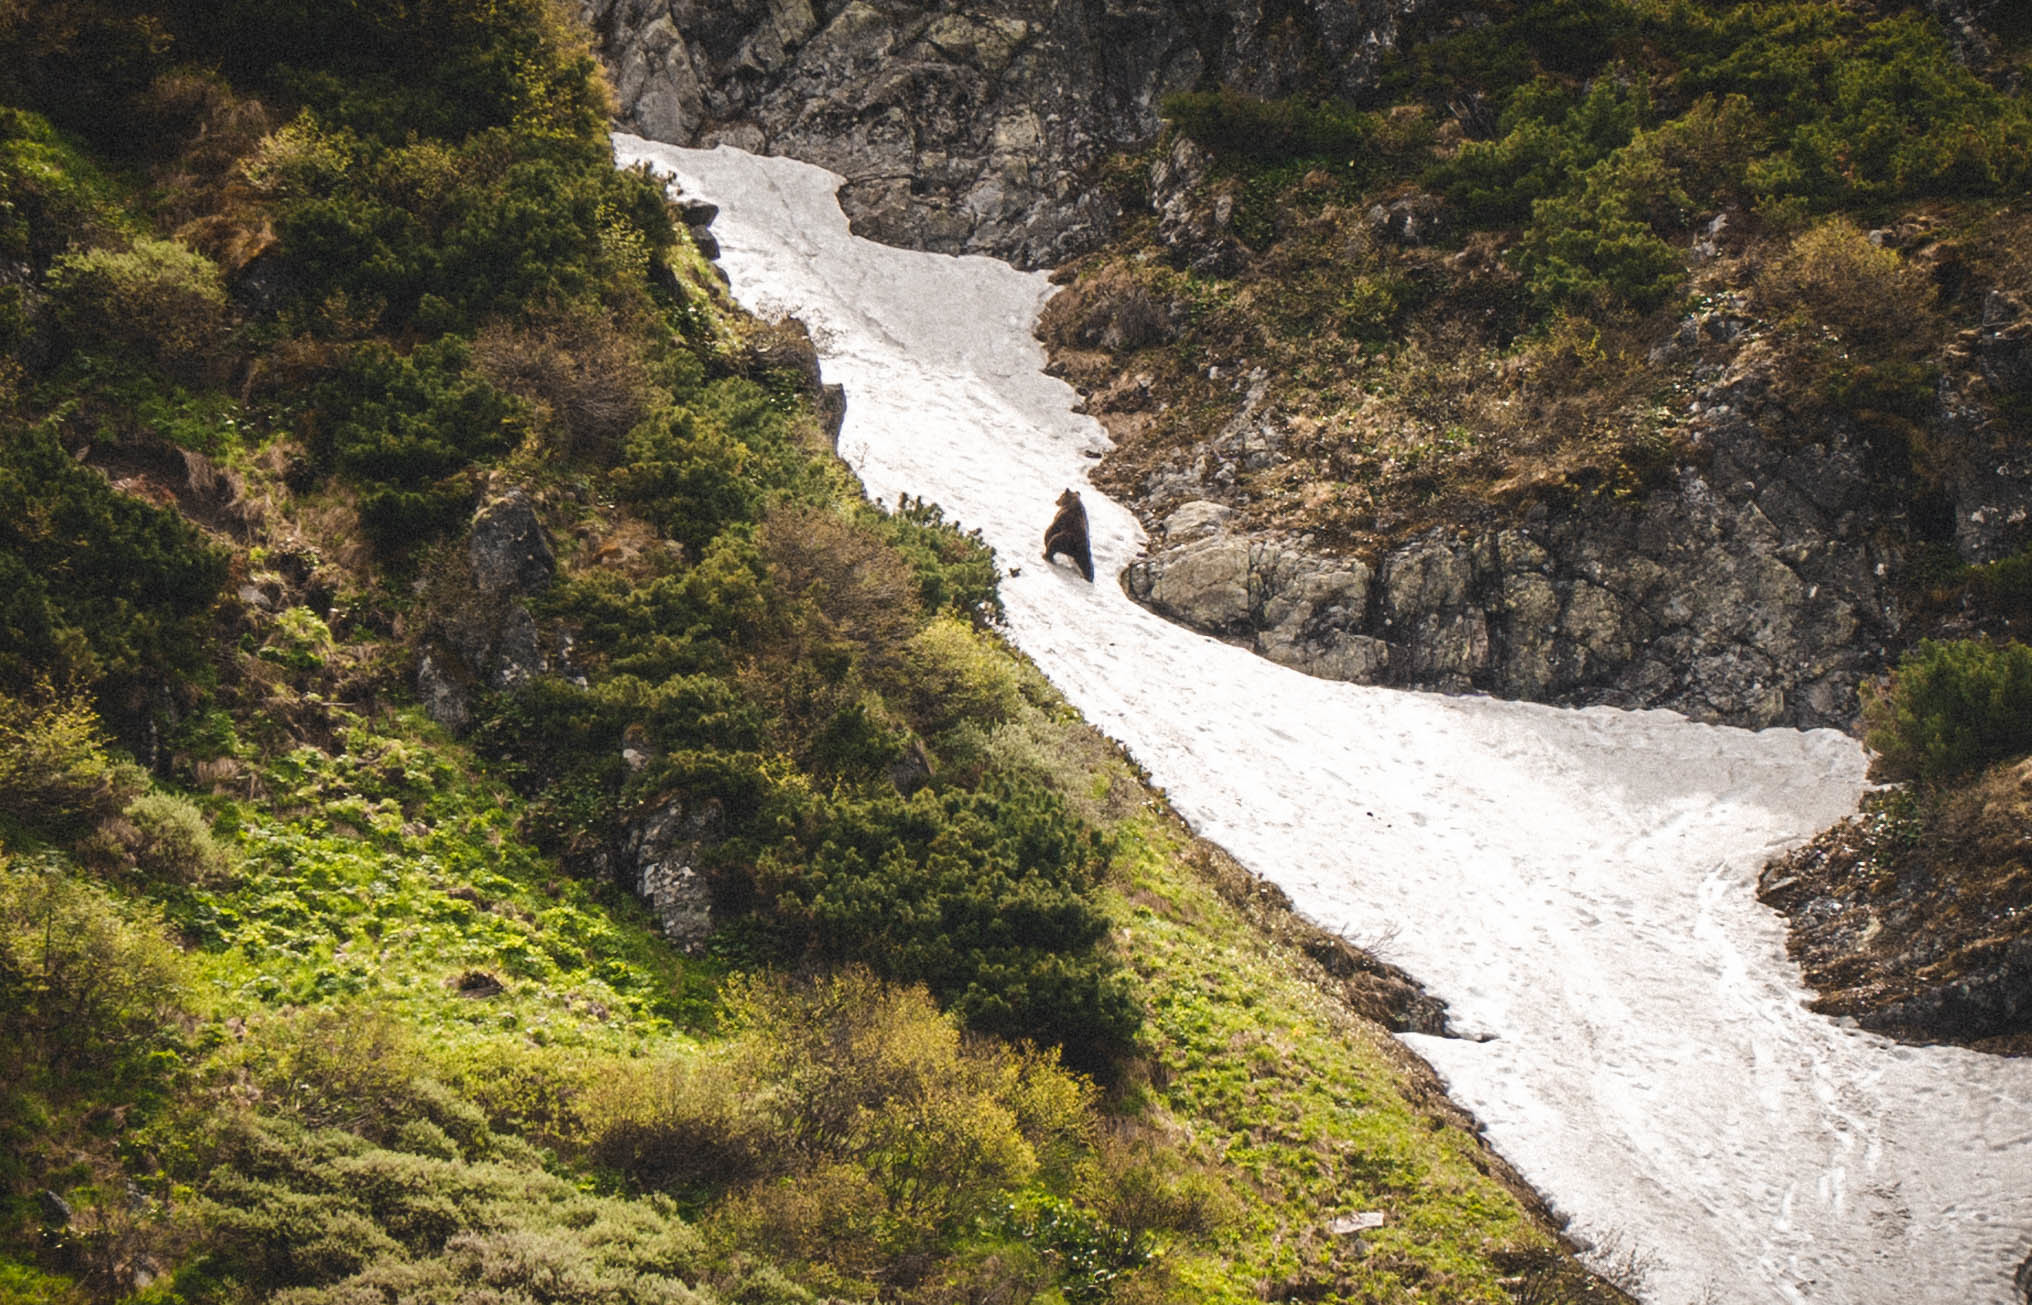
(584, 374)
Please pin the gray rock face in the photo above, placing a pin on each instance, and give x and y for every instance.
(507, 547)
(482, 633)
(1752, 592)
(1990, 476)
(657, 857)
(968, 127)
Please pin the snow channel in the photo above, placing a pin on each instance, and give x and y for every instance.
(1577, 885)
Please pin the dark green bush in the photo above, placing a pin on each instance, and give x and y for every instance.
(1589, 248)
(95, 586)
(689, 475)
(408, 430)
(1951, 707)
(1549, 137)
(956, 569)
(172, 841)
(1866, 110)
(154, 300)
(443, 68)
(986, 896)
(1242, 127)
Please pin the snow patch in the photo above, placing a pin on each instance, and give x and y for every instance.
(1577, 884)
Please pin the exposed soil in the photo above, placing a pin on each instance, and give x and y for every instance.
(1915, 916)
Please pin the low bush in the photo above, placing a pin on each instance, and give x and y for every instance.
(1238, 126)
(988, 897)
(852, 1121)
(959, 676)
(321, 1217)
(408, 429)
(153, 300)
(51, 193)
(580, 369)
(88, 985)
(57, 778)
(1549, 137)
(125, 615)
(1950, 707)
(1833, 276)
(172, 840)
(955, 568)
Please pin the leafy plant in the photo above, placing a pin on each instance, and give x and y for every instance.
(154, 299)
(95, 586)
(408, 428)
(1238, 126)
(985, 896)
(1950, 707)
(87, 984)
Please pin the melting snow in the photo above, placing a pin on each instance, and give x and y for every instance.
(1577, 885)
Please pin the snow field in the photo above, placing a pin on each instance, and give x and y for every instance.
(1577, 885)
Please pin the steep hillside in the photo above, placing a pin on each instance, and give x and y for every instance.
(1586, 351)
(487, 809)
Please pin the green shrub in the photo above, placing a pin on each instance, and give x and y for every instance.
(958, 674)
(1239, 126)
(1550, 136)
(173, 841)
(690, 476)
(320, 1215)
(1867, 110)
(409, 430)
(96, 587)
(955, 569)
(1587, 250)
(154, 300)
(442, 68)
(852, 1111)
(51, 193)
(1951, 707)
(88, 986)
(987, 897)
(57, 778)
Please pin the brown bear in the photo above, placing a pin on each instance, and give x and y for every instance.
(1067, 534)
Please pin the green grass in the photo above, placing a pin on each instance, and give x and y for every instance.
(384, 874)
(1310, 1108)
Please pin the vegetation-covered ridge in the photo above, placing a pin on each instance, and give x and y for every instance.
(1454, 293)
(399, 525)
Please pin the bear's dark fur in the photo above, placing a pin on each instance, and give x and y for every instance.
(1067, 534)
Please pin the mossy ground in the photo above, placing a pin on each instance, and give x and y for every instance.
(1310, 1113)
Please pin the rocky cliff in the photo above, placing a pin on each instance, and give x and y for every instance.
(1756, 573)
(967, 128)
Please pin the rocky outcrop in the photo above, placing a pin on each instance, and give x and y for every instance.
(1912, 916)
(1752, 591)
(658, 858)
(1988, 377)
(481, 633)
(974, 128)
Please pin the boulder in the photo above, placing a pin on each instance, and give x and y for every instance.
(481, 631)
(507, 548)
(658, 858)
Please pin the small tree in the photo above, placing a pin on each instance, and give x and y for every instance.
(1951, 707)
